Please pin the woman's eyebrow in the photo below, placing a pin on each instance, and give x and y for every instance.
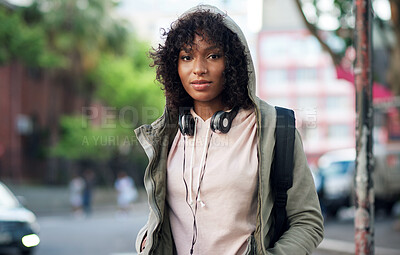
(187, 50)
(213, 47)
(190, 49)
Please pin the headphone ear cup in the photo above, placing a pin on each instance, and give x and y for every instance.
(214, 123)
(220, 122)
(186, 124)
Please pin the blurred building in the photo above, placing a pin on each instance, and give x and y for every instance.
(32, 101)
(150, 17)
(31, 104)
(295, 72)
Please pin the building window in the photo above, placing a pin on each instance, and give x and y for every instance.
(305, 103)
(273, 77)
(338, 103)
(339, 131)
(305, 74)
(329, 74)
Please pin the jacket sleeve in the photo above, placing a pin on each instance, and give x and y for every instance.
(303, 210)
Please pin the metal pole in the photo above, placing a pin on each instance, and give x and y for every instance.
(364, 215)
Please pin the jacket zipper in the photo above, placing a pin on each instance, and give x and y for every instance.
(152, 198)
(259, 224)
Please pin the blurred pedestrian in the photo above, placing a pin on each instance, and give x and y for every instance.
(127, 192)
(76, 187)
(396, 223)
(87, 195)
(211, 152)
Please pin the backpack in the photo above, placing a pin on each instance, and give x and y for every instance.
(282, 169)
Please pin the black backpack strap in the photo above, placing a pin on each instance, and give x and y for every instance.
(282, 168)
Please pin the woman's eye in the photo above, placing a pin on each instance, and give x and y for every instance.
(214, 56)
(185, 58)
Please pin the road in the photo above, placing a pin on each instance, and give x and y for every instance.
(105, 233)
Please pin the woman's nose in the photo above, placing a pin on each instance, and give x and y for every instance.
(200, 67)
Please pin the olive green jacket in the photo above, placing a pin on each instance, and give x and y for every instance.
(303, 210)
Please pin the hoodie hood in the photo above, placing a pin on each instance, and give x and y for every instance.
(229, 23)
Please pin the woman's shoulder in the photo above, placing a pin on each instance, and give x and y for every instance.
(267, 111)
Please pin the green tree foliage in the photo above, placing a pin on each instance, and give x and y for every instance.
(338, 40)
(342, 35)
(127, 82)
(20, 42)
(83, 140)
(97, 55)
(81, 30)
(125, 86)
(77, 139)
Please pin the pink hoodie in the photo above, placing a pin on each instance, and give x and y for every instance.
(226, 212)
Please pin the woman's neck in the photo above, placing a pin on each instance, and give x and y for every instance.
(206, 111)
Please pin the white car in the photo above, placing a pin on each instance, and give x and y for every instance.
(18, 226)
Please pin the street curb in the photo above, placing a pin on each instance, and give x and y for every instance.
(345, 248)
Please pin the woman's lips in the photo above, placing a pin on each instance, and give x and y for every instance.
(200, 85)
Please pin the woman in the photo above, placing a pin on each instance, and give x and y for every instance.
(210, 153)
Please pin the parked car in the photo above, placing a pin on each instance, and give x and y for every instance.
(336, 171)
(386, 176)
(336, 174)
(18, 226)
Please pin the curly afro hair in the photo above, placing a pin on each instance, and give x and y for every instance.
(182, 33)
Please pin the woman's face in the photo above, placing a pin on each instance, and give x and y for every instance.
(200, 69)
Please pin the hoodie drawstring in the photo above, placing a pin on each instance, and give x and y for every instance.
(193, 207)
(191, 164)
(202, 166)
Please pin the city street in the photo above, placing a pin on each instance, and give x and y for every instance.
(107, 233)
(92, 90)
(104, 233)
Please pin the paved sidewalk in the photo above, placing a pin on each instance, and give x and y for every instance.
(336, 247)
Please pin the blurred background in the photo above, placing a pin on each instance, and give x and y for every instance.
(75, 82)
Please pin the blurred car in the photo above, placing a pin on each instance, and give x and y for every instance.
(336, 174)
(18, 226)
(336, 171)
(386, 176)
